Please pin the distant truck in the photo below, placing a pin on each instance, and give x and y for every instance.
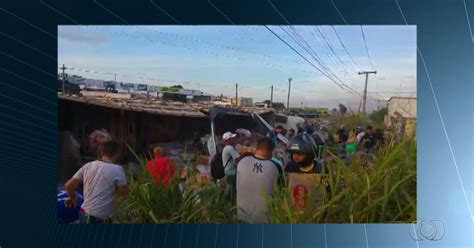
(261, 105)
(110, 86)
(70, 88)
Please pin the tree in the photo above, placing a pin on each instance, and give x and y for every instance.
(342, 109)
(378, 116)
(177, 86)
(278, 105)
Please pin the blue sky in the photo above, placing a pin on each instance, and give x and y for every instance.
(214, 58)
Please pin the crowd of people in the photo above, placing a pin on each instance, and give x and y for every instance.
(357, 139)
(251, 176)
(248, 176)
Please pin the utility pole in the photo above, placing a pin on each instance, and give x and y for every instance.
(289, 89)
(271, 97)
(365, 88)
(64, 79)
(236, 95)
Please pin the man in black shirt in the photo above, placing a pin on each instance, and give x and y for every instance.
(369, 140)
(342, 133)
(343, 136)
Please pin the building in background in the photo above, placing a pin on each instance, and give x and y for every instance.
(246, 101)
(401, 115)
(243, 101)
(97, 87)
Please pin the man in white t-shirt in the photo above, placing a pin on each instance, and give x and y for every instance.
(102, 179)
(256, 175)
(229, 158)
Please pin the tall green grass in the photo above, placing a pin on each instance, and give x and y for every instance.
(382, 190)
(148, 202)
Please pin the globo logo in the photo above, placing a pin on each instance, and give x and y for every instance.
(432, 230)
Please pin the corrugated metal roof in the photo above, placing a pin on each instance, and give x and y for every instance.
(140, 106)
(198, 110)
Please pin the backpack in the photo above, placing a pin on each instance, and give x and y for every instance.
(217, 166)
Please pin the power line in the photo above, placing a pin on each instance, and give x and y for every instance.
(345, 49)
(366, 48)
(282, 16)
(221, 46)
(321, 62)
(324, 70)
(297, 52)
(207, 51)
(239, 36)
(328, 73)
(306, 47)
(328, 45)
(331, 56)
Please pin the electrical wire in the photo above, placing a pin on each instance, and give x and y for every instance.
(366, 48)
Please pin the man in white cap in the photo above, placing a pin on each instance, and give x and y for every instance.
(229, 158)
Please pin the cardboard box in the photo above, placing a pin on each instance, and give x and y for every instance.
(306, 187)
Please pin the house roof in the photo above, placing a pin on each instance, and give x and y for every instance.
(401, 97)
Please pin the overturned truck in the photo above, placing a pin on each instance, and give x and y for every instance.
(259, 122)
(143, 123)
